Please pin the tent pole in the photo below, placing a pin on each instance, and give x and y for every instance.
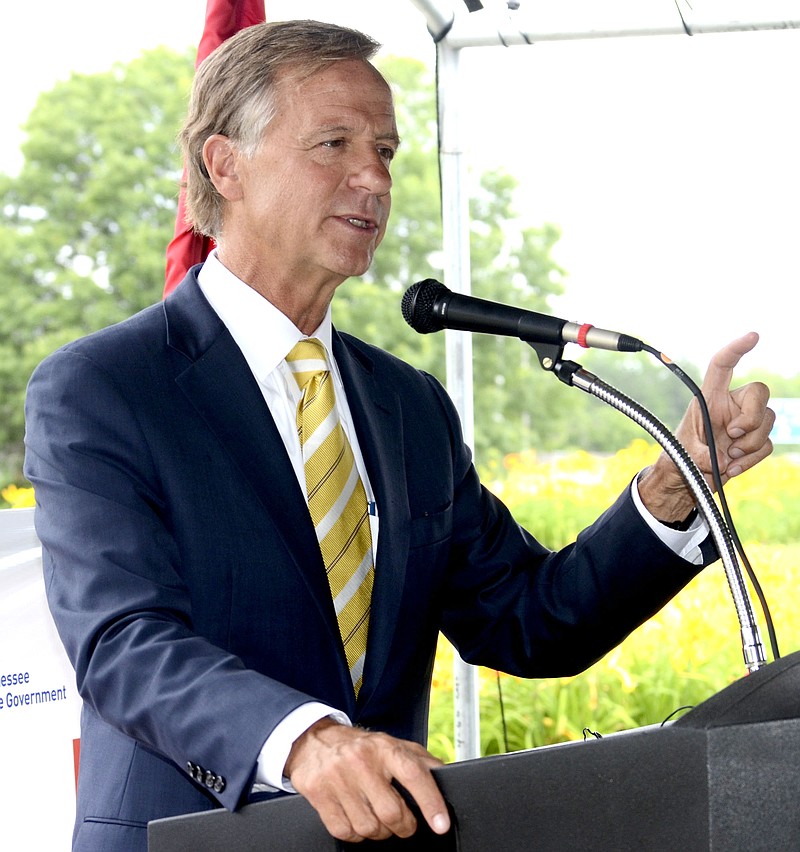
(455, 234)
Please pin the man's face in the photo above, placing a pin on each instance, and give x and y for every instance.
(316, 195)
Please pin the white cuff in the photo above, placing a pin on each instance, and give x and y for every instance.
(275, 751)
(684, 543)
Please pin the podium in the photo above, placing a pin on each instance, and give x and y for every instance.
(724, 777)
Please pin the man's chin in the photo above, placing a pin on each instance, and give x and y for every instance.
(355, 267)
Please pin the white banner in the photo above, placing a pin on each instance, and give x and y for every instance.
(39, 704)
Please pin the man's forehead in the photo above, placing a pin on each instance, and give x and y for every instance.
(338, 101)
(340, 77)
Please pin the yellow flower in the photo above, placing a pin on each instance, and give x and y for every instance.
(18, 498)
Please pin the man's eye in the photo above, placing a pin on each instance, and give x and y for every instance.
(387, 154)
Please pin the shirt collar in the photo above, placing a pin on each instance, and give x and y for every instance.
(261, 331)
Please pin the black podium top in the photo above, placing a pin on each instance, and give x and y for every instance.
(724, 777)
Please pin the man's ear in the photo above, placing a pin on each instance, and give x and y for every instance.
(221, 158)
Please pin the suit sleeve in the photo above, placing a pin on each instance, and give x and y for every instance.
(514, 605)
(119, 600)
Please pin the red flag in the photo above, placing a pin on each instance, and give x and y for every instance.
(224, 18)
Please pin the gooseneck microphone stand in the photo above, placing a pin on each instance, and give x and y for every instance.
(575, 375)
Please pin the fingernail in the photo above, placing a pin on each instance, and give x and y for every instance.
(441, 824)
(736, 433)
(735, 453)
(734, 470)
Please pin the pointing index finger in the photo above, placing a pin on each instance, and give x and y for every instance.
(720, 369)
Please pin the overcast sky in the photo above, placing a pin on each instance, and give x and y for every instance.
(670, 163)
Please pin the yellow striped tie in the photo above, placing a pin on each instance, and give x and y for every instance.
(336, 500)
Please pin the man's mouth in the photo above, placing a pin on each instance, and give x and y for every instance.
(360, 223)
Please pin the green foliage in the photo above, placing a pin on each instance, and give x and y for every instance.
(99, 182)
(84, 226)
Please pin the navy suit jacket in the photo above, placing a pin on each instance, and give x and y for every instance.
(185, 580)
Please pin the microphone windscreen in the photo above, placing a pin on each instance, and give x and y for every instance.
(417, 306)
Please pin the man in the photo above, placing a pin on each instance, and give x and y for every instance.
(183, 552)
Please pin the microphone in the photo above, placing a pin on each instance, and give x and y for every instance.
(430, 306)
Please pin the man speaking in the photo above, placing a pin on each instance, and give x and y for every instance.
(256, 525)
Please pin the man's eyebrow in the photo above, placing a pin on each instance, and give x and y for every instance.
(334, 128)
(345, 128)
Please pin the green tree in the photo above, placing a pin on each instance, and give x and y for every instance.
(85, 224)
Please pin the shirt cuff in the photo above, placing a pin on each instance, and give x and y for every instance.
(684, 543)
(275, 751)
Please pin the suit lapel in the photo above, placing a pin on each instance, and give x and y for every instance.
(377, 419)
(214, 375)
(219, 384)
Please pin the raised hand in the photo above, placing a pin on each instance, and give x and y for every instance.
(741, 422)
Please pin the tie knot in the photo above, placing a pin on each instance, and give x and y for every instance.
(306, 360)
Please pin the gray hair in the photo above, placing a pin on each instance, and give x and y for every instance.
(234, 94)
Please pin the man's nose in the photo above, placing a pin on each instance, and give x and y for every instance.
(370, 171)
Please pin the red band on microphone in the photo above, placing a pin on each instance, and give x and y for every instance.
(582, 332)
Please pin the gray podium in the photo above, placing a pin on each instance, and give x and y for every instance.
(725, 777)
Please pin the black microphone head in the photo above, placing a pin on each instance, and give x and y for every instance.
(418, 303)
